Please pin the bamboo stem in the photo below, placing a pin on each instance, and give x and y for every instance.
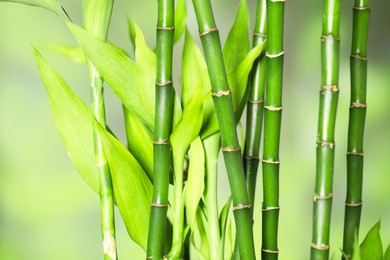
(224, 109)
(330, 46)
(272, 124)
(162, 128)
(357, 116)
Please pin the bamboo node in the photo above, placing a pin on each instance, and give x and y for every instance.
(330, 37)
(168, 28)
(273, 108)
(163, 84)
(332, 88)
(270, 208)
(164, 142)
(242, 206)
(358, 105)
(260, 34)
(273, 56)
(269, 251)
(358, 204)
(324, 143)
(255, 101)
(355, 153)
(318, 197)
(221, 93)
(207, 31)
(231, 149)
(252, 158)
(270, 161)
(321, 247)
(361, 8)
(158, 205)
(357, 56)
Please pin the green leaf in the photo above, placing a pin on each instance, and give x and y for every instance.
(96, 17)
(118, 70)
(356, 249)
(132, 188)
(371, 248)
(238, 80)
(180, 19)
(387, 253)
(51, 5)
(131, 29)
(223, 219)
(237, 43)
(139, 142)
(73, 53)
(195, 182)
(73, 120)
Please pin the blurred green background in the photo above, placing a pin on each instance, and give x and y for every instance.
(48, 212)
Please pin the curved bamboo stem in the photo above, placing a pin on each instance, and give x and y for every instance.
(330, 46)
(224, 109)
(162, 129)
(357, 116)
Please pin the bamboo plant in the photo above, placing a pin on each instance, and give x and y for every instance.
(357, 114)
(330, 46)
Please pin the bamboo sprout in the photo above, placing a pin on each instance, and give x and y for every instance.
(357, 116)
(97, 15)
(162, 128)
(255, 107)
(224, 109)
(272, 123)
(330, 45)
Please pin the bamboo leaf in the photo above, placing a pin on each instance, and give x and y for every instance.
(96, 17)
(223, 224)
(140, 142)
(371, 247)
(73, 120)
(356, 249)
(387, 253)
(180, 19)
(118, 70)
(73, 53)
(239, 78)
(132, 188)
(131, 29)
(195, 182)
(237, 43)
(51, 5)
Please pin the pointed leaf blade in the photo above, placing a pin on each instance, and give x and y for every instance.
(371, 247)
(51, 5)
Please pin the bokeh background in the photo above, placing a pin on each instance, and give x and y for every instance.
(48, 212)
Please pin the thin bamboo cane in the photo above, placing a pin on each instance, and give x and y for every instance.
(162, 128)
(97, 17)
(357, 116)
(224, 109)
(272, 124)
(255, 105)
(330, 46)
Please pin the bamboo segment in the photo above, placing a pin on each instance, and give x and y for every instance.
(224, 109)
(330, 45)
(357, 116)
(272, 124)
(162, 128)
(255, 107)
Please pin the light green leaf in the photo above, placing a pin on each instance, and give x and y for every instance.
(131, 29)
(140, 142)
(118, 70)
(223, 224)
(51, 5)
(387, 253)
(180, 19)
(132, 188)
(96, 17)
(195, 182)
(371, 248)
(237, 43)
(73, 53)
(356, 249)
(238, 80)
(73, 120)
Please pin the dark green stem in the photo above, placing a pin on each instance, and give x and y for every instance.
(224, 110)
(330, 46)
(272, 124)
(162, 128)
(357, 116)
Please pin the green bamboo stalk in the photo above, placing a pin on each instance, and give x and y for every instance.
(162, 128)
(330, 46)
(255, 105)
(224, 109)
(272, 123)
(357, 116)
(96, 19)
